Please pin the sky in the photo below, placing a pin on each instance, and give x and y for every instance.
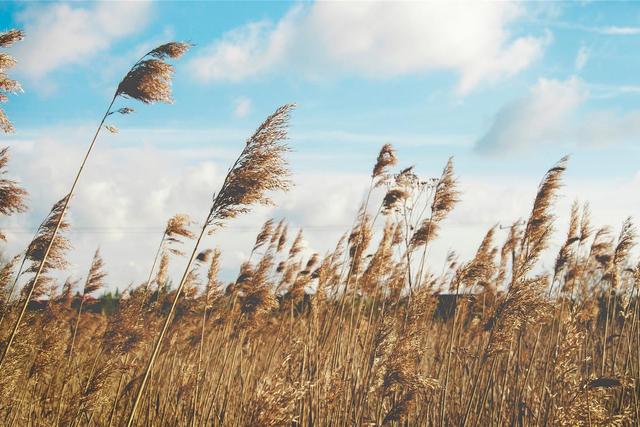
(507, 89)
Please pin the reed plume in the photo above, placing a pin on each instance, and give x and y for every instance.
(386, 158)
(161, 276)
(359, 241)
(7, 85)
(7, 273)
(539, 227)
(95, 277)
(58, 249)
(264, 235)
(93, 283)
(566, 252)
(524, 302)
(626, 241)
(148, 81)
(445, 197)
(393, 198)
(46, 252)
(12, 196)
(296, 246)
(212, 289)
(176, 230)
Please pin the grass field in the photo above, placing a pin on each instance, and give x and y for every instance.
(371, 333)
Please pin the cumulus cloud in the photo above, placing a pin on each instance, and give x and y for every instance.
(378, 40)
(60, 34)
(536, 119)
(555, 112)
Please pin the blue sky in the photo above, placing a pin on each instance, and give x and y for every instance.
(507, 89)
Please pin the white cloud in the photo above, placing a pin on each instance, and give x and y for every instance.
(378, 40)
(128, 193)
(59, 34)
(536, 119)
(620, 31)
(581, 58)
(242, 107)
(552, 114)
(606, 128)
(241, 53)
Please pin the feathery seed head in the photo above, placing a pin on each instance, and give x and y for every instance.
(11, 194)
(386, 158)
(585, 223)
(95, 278)
(213, 285)
(428, 230)
(282, 238)
(540, 223)
(7, 85)
(261, 168)
(204, 256)
(296, 246)
(56, 259)
(446, 194)
(393, 197)
(172, 50)
(178, 226)
(161, 276)
(149, 80)
(265, 234)
(7, 38)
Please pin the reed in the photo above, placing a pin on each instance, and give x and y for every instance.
(8, 86)
(369, 333)
(260, 168)
(147, 81)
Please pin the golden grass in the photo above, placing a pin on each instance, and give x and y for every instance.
(341, 339)
(369, 334)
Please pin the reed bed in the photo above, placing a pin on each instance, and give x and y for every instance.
(370, 333)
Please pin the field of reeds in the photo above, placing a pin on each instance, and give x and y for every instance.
(370, 333)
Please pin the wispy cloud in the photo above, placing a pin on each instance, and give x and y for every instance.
(609, 30)
(607, 91)
(60, 34)
(377, 40)
(619, 31)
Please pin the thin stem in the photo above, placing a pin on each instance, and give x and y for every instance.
(27, 299)
(452, 337)
(165, 326)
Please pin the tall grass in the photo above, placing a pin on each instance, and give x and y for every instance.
(370, 333)
(147, 81)
(341, 339)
